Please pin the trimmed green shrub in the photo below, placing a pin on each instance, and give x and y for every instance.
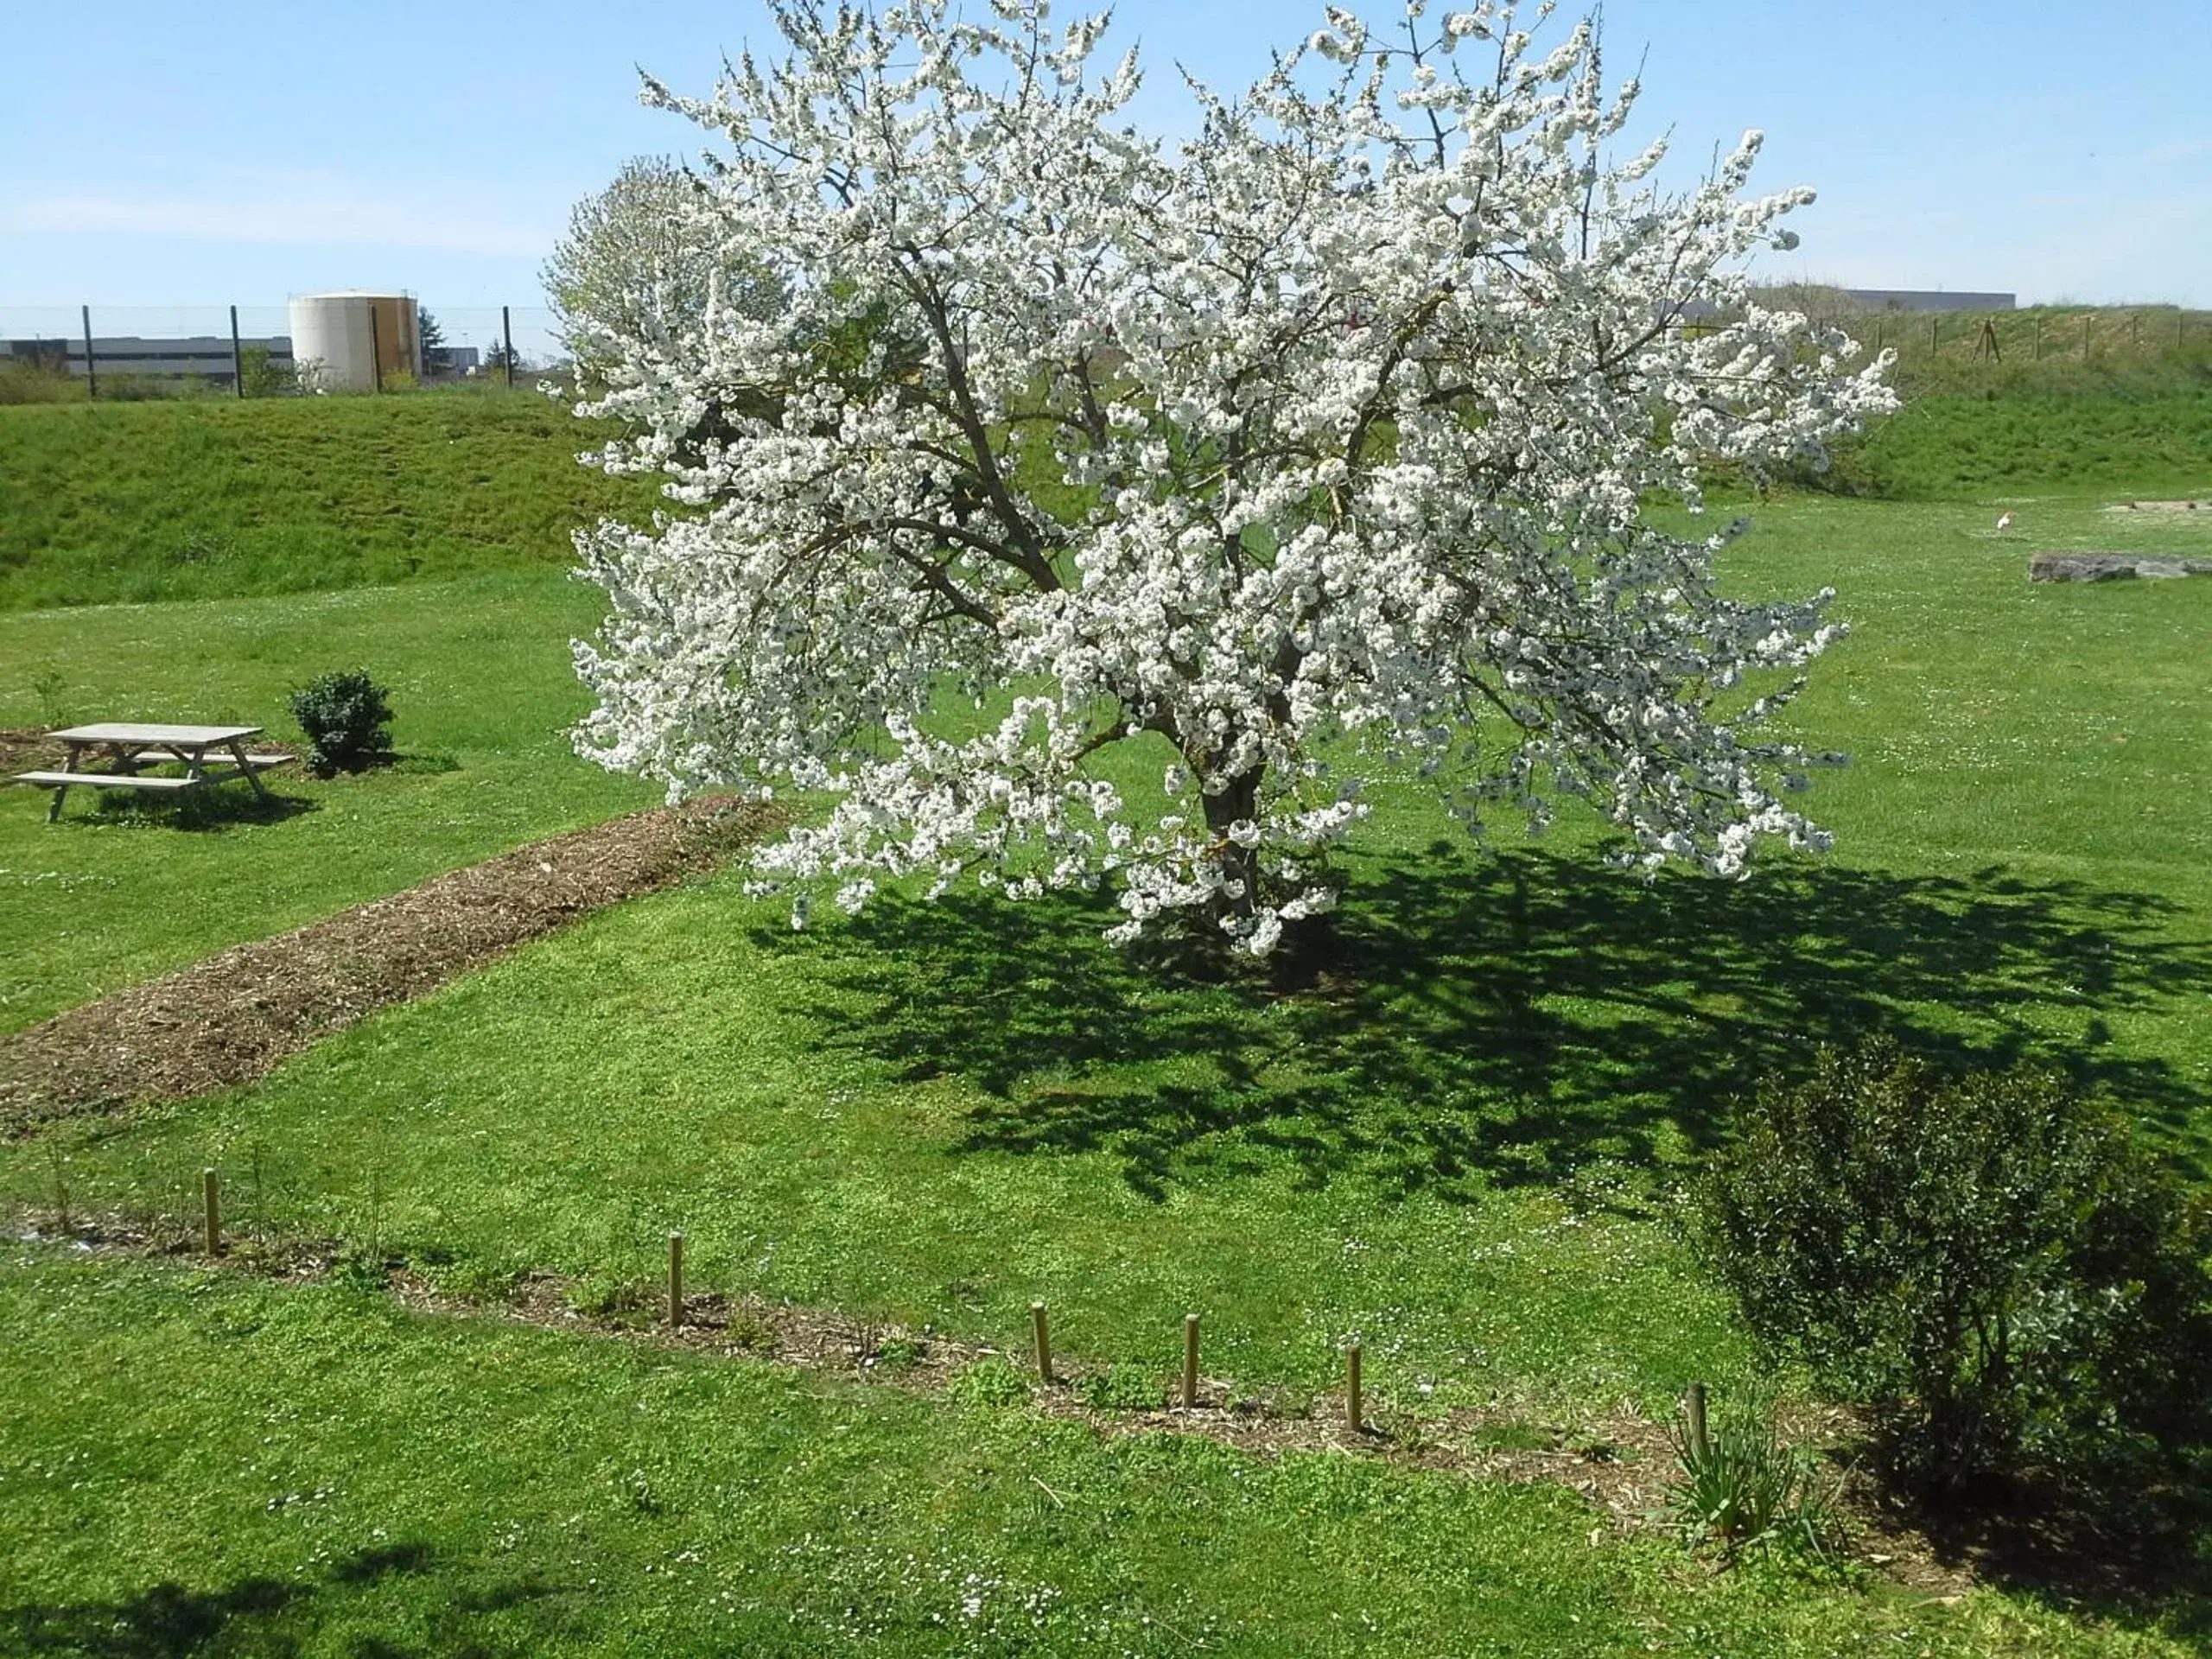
(347, 718)
(1994, 1266)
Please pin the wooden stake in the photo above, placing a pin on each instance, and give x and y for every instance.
(91, 369)
(211, 1202)
(1354, 1418)
(1190, 1362)
(1693, 1410)
(237, 356)
(675, 1281)
(1044, 1343)
(61, 1188)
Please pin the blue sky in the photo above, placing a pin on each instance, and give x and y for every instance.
(201, 153)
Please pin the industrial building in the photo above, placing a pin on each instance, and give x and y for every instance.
(338, 342)
(205, 357)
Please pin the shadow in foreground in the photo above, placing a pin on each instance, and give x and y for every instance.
(226, 807)
(2138, 1557)
(254, 1615)
(1506, 1020)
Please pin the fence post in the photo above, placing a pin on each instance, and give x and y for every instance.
(675, 1281)
(211, 1212)
(237, 356)
(376, 348)
(1190, 1362)
(91, 373)
(1355, 1418)
(1693, 1411)
(1043, 1342)
(507, 343)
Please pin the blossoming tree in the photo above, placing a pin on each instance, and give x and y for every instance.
(1319, 442)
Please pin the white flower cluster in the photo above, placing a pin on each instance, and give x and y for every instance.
(1327, 435)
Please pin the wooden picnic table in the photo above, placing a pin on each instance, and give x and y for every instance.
(209, 754)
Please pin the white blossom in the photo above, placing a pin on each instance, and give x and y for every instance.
(1319, 442)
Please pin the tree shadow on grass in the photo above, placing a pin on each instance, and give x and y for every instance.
(1507, 1020)
(255, 1615)
(226, 806)
(1520, 1018)
(2136, 1556)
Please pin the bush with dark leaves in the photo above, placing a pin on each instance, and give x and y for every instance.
(347, 718)
(1995, 1267)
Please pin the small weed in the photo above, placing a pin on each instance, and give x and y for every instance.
(897, 1354)
(1121, 1387)
(1514, 1437)
(364, 1270)
(46, 686)
(618, 1302)
(478, 1282)
(988, 1381)
(747, 1330)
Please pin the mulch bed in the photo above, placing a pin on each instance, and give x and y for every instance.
(26, 749)
(233, 1017)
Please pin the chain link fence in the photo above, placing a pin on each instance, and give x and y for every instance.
(60, 353)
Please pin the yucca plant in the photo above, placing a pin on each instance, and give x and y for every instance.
(1739, 1487)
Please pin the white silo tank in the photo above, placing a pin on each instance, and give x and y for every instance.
(355, 341)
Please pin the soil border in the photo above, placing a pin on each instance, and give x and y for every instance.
(233, 1017)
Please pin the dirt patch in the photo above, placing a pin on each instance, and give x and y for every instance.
(26, 749)
(233, 1017)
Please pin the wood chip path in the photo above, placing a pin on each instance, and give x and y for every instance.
(233, 1017)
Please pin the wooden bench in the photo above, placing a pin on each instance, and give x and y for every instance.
(105, 780)
(259, 759)
(209, 754)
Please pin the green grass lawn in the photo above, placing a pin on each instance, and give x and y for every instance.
(1460, 1136)
(119, 892)
(234, 1468)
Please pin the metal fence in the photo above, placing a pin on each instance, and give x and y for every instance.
(246, 350)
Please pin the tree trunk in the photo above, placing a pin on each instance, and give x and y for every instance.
(1238, 866)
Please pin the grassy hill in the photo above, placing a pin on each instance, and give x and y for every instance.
(2048, 397)
(206, 498)
(2063, 432)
